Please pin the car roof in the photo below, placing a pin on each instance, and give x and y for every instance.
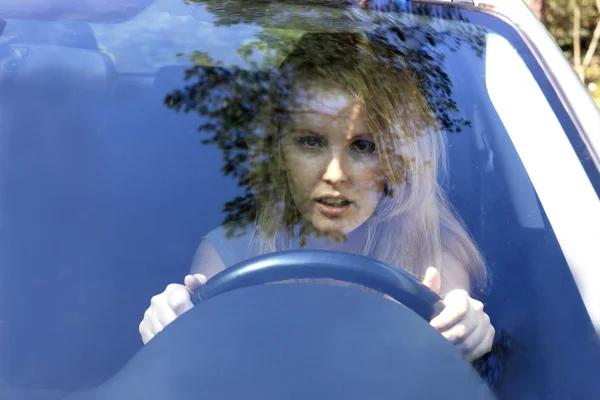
(122, 10)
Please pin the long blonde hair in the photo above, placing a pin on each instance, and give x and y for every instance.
(413, 224)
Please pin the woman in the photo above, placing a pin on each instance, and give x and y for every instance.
(348, 157)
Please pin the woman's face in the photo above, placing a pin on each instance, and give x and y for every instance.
(333, 170)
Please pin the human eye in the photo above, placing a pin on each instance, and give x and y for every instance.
(310, 141)
(363, 146)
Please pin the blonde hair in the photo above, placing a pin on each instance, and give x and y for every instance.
(413, 224)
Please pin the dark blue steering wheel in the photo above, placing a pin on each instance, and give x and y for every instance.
(319, 264)
(297, 341)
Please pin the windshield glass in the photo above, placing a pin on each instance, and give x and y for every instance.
(192, 137)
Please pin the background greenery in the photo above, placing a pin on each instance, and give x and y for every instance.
(575, 25)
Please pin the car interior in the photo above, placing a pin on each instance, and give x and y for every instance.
(105, 193)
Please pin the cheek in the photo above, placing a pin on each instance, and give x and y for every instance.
(373, 196)
(302, 175)
(372, 178)
(373, 183)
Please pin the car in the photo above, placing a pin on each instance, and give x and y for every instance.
(127, 133)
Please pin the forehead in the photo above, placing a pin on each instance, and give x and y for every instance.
(324, 99)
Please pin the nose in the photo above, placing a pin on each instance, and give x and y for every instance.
(335, 173)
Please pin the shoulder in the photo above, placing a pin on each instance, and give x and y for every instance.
(229, 238)
(217, 236)
(207, 260)
(223, 247)
(455, 275)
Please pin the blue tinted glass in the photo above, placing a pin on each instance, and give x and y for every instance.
(191, 137)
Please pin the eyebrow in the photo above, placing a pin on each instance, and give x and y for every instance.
(306, 130)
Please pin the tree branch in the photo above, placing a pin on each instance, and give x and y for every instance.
(577, 40)
(587, 60)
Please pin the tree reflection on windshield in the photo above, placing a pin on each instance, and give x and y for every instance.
(401, 58)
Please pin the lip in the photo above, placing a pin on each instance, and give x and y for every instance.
(333, 196)
(331, 211)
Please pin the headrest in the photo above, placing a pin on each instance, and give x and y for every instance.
(114, 11)
(65, 73)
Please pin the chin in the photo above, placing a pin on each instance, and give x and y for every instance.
(335, 228)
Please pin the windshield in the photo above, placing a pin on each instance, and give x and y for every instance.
(193, 137)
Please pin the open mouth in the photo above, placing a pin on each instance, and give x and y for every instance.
(333, 207)
(330, 202)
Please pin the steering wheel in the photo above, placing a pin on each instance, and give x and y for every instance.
(319, 264)
(246, 339)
